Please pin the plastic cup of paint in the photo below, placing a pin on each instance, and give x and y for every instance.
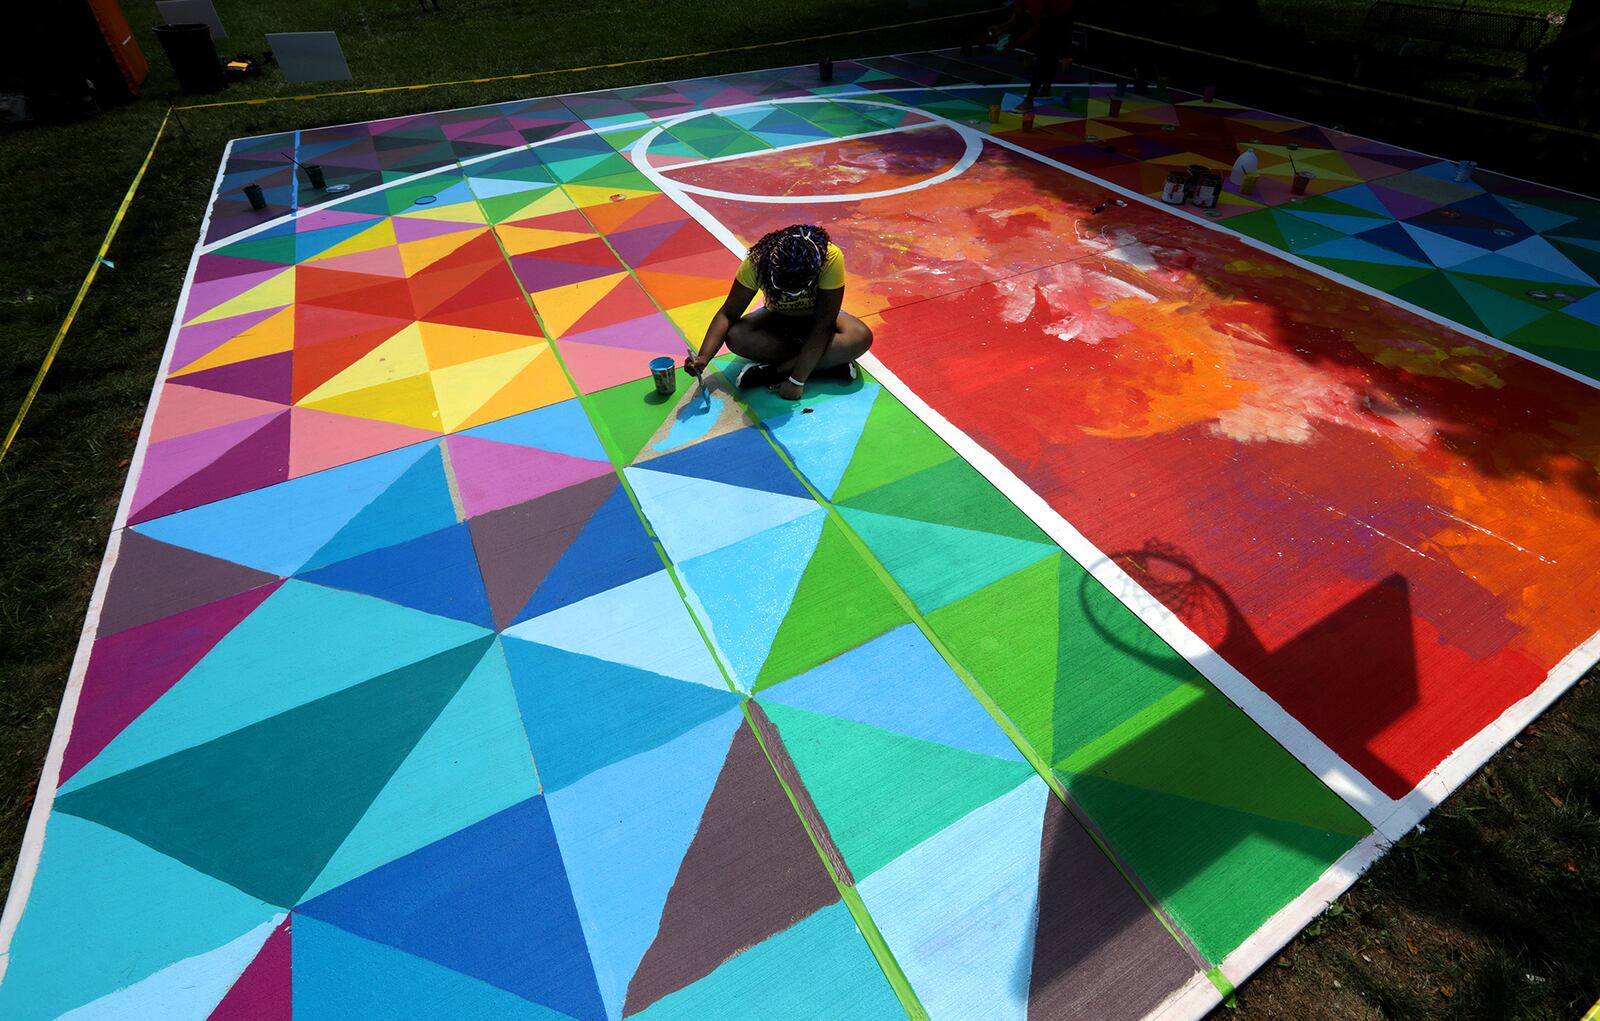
(1301, 179)
(1116, 108)
(664, 371)
(994, 113)
(1209, 94)
(1464, 169)
(257, 199)
(825, 69)
(1027, 121)
(314, 175)
(1248, 186)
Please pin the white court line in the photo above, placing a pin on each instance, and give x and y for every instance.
(49, 776)
(1312, 751)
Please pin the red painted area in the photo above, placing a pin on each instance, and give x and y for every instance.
(1393, 527)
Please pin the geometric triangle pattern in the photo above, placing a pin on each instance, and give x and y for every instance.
(442, 668)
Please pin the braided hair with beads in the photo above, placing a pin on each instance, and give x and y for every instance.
(788, 260)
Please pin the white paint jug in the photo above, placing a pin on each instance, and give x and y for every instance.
(1247, 163)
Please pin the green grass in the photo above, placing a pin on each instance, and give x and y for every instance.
(1485, 894)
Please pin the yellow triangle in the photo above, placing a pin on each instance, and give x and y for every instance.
(560, 307)
(273, 292)
(378, 235)
(451, 345)
(693, 319)
(272, 335)
(522, 240)
(456, 212)
(589, 195)
(400, 357)
(415, 255)
(462, 389)
(541, 383)
(551, 200)
(403, 402)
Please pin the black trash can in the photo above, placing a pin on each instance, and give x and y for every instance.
(193, 56)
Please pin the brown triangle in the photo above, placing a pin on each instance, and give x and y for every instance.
(749, 873)
(518, 545)
(153, 580)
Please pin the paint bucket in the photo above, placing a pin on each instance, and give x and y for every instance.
(1465, 168)
(1116, 108)
(314, 175)
(825, 72)
(664, 371)
(1173, 192)
(994, 113)
(1027, 121)
(1209, 94)
(1247, 186)
(1210, 188)
(257, 199)
(1301, 179)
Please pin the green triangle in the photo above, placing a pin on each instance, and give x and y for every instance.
(1006, 636)
(620, 140)
(1220, 874)
(1261, 225)
(280, 249)
(264, 808)
(938, 564)
(628, 415)
(1435, 293)
(883, 793)
(839, 604)
(952, 493)
(894, 444)
(498, 208)
(1499, 312)
(1562, 339)
(1298, 233)
(1324, 204)
(1384, 277)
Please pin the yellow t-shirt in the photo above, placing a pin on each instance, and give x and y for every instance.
(830, 279)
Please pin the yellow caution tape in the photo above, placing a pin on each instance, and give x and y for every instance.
(1307, 76)
(83, 289)
(592, 67)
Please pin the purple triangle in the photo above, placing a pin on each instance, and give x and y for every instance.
(153, 579)
(652, 333)
(269, 378)
(169, 462)
(262, 459)
(218, 267)
(206, 296)
(635, 246)
(1401, 204)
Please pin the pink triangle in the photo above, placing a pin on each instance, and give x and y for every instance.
(383, 261)
(652, 334)
(259, 460)
(461, 129)
(214, 267)
(317, 219)
(411, 228)
(265, 992)
(129, 670)
(169, 462)
(491, 475)
(594, 367)
(507, 139)
(211, 293)
(195, 342)
(183, 410)
(322, 439)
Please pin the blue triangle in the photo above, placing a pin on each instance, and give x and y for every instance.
(437, 573)
(1536, 217)
(562, 428)
(897, 682)
(1538, 252)
(490, 901)
(189, 988)
(745, 590)
(611, 550)
(583, 713)
(679, 507)
(821, 443)
(338, 976)
(417, 503)
(278, 528)
(1343, 223)
(983, 873)
(819, 968)
(1502, 264)
(624, 830)
(308, 243)
(743, 457)
(1360, 250)
(1441, 251)
(1361, 197)
(1395, 238)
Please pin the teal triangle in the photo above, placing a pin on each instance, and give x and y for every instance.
(303, 643)
(745, 590)
(820, 437)
(118, 911)
(1536, 217)
(435, 573)
(583, 713)
(338, 976)
(1445, 252)
(264, 808)
(623, 831)
(819, 968)
(1362, 197)
(938, 564)
(189, 988)
(1500, 313)
(278, 528)
(1340, 222)
(1300, 234)
(1357, 250)
(417, 503)
(1497, 264)
(473, 762)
